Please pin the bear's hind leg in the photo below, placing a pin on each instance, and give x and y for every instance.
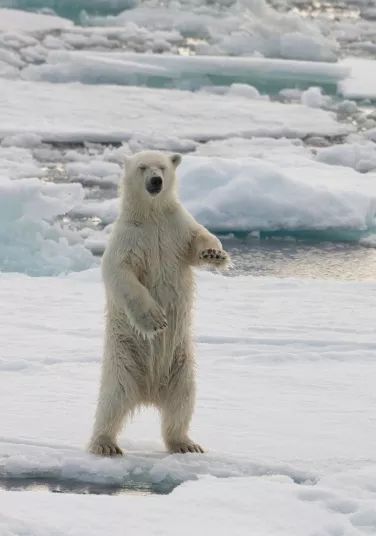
(116, 401)
(177, 405)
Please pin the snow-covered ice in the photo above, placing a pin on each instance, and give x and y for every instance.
(359, 155)
(249, 194)
(361, 84)
(12, 20)
(31, 240)
(291, 192)
(285, 405)
(71, 112)
(236, 28)
(260, 185)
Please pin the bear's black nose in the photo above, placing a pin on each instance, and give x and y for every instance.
(154, 185)
(156, 182)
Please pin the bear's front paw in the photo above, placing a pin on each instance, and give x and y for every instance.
(217, 257)
(152, 321)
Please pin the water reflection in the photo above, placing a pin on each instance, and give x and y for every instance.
(82, 488)
(291, 258)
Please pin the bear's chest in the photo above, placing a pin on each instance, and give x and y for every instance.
(164, 260)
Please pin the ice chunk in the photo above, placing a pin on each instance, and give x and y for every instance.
(279, 150)
(30, 241)
(361, 83)
(94, 172)
(22, 140)
(314, 98)
(247, 194)
(192, 72)
(359, 156)
(15, 20)
(242, 28)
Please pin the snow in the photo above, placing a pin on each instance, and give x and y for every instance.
(94, 172)
(184, 71)
(361, 84)
(290, 192)
(285, 402)
(291, 151)
(21, 21)
(360, 156)
(72, 112)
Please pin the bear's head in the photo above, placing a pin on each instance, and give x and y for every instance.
(150, 176)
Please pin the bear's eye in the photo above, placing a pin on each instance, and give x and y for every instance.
(142, 167)
(163, 169)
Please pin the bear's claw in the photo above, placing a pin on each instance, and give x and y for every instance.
(214, 256)
(183, 447)
(104, 446)
(151, 322)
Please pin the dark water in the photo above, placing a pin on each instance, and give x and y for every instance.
(302, 259)
(81, 488)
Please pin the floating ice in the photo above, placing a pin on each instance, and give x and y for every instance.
(359, 156)
(291, 192)
(361, 83)
(313, 97)
(248, 194)
(241, 28)
(29, 240)
(192, 72)
(14, 20)
(74, 113)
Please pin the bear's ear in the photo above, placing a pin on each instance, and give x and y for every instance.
(175, 159)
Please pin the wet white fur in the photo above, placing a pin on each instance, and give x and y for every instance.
(148, 277)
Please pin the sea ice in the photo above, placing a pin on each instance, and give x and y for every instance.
(284, 407)
(75, 113)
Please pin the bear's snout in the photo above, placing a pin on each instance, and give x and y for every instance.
(154, 185)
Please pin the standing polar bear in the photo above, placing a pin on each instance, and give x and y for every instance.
(148, 277)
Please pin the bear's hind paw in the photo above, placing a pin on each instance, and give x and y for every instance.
(185, 446)
(104, 446)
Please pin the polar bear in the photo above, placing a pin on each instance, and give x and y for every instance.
(149, 284)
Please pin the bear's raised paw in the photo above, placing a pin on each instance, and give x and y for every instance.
(217, 257)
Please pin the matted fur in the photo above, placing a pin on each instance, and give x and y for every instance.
(149, 283)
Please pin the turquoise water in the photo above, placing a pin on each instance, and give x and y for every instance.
(71, 9)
